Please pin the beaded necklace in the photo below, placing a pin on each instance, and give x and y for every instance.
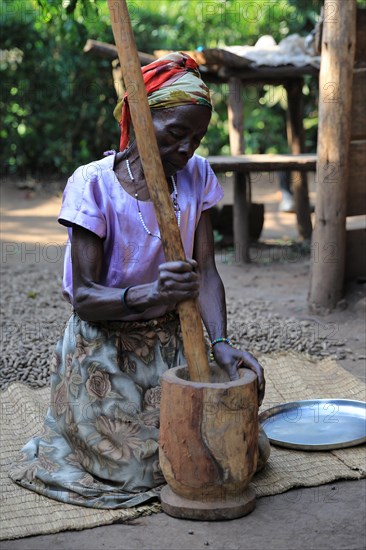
(175, 202)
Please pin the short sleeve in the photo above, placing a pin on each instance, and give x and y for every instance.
(83, 201)
(213, 192)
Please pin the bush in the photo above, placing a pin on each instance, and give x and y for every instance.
(56, 102)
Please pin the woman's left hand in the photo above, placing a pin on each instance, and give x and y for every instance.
(230, 359)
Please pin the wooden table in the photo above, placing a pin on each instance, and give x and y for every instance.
(242, 166)
(293, 84)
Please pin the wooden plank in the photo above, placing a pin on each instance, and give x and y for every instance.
(266, 74)
(101, 49)
(109, 50)
(338, 50)
(263, 163)
(358, 112)
(212, 56)
(356, 188)
(355, 254)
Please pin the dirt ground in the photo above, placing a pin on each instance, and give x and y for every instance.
(330, 516)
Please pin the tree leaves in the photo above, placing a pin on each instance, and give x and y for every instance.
(57, 101)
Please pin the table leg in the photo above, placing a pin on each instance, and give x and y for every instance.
(295, 136)
(241, 215)
(236, 136)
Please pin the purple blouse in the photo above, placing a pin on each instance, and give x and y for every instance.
(94, 199)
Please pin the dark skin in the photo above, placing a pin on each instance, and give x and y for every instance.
(179, 132)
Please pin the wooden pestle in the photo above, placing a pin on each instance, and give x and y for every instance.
(190, 319)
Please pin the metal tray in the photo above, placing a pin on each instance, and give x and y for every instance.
(316, 424)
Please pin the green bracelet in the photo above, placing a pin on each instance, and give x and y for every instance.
(217, 341)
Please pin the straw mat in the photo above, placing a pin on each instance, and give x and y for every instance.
(289, 376)
(292, 377)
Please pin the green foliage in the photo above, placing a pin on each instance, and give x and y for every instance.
(57, 102)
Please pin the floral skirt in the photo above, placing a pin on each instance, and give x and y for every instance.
(99, 445)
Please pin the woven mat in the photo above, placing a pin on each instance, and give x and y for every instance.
(289, 376)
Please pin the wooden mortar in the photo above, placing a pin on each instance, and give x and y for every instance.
(208, 444)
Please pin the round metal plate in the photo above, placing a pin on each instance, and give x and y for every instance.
(316, 424)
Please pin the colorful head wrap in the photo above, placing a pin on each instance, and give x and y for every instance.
(170, 81)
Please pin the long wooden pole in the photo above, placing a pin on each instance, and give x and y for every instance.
(190, 319)
(335, 94)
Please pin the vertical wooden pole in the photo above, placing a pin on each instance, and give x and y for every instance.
(335, 94)
(236, 137)
(295, 136)
(190, 319)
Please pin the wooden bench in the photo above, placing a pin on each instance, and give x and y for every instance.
(263, 163)
(242, 166)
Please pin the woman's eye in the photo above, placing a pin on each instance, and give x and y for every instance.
(176, 135)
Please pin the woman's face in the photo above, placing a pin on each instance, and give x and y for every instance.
(179, 131)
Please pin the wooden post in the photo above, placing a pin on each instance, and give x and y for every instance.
(191, 324)
(335, 94)
(295, 136)
(236, 137)
(356, 192)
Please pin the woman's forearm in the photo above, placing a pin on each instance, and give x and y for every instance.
(212, 293)
(176, 281)
(212, 304)
(99, 303)
(94, 301)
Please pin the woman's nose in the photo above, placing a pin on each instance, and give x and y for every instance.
(186, 147)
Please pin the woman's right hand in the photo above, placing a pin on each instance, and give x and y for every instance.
(177, 281)
(93, 301)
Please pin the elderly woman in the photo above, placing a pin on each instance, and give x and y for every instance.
(99, 446)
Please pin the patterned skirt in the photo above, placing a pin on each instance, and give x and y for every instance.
(99, 444)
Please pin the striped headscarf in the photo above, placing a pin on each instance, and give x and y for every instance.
(170, 81)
